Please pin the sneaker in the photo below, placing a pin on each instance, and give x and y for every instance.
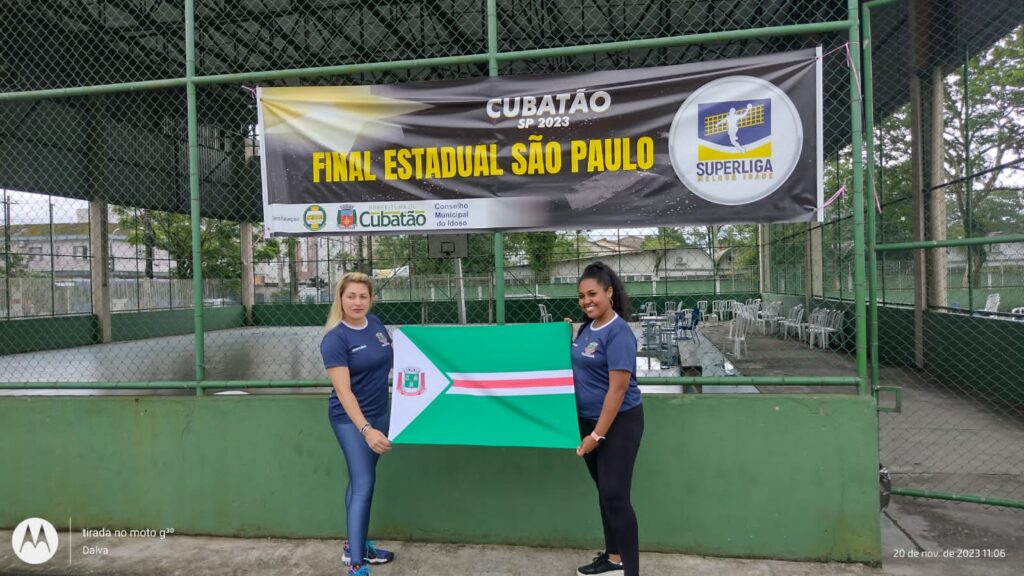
(600, 565)
(359, 570)
(373, 554)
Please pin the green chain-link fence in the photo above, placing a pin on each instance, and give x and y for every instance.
(947, 109)
(951, 318)
(98, 143)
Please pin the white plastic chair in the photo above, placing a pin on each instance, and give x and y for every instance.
(775, 322)
(729, 309)
(716, 311)
(817, 318)
(766, 317)
(793, 321)
(992, 302)
(832, 324)
(544, 315)
(738, 329)
(670, 309)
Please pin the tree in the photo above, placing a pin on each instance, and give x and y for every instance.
(220, 241)
(984, 131)
(666, 237)
(542, 250)
(291, 247)
(741, 239)
(18, 264)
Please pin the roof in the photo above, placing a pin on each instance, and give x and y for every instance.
(80, 229)
(132, 145)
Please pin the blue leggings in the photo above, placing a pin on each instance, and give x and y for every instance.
(362, 473)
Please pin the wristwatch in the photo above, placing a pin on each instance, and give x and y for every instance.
(597, 437)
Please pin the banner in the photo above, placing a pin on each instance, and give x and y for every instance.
(484, 386)
(732, 141)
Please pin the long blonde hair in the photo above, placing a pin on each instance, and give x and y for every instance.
(337, 314)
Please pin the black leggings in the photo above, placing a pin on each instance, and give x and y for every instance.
(611, 467)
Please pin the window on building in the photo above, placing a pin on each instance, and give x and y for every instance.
(35, 252)
(81, 252)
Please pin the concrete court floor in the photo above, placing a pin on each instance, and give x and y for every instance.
(205, 556)
(941, 440)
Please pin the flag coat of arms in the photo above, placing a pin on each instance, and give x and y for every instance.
(484, 386)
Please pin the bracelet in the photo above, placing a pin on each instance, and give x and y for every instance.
(597, 437)
(364, 429)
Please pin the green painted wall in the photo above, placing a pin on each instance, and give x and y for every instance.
(981, 354)
(141, 325)
(754, 475)
(976, 354)
(35, 334)
(896, 335)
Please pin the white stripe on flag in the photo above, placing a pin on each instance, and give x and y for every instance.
(528, 374)
(530, 391)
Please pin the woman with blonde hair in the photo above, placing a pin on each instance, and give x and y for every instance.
(357, 355)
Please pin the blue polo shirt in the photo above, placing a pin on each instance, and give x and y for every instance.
(368, 355)
(594, 354)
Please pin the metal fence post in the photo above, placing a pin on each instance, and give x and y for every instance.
(499, 238)
(869, 113)
(858, 197)
(193, 182)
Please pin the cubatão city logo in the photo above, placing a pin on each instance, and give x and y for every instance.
(735, 140)
(347, 217)
(35, 541)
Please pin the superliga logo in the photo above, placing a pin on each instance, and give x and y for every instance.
(35, 541)
(735, 140)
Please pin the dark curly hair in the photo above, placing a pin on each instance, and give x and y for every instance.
(607, 278)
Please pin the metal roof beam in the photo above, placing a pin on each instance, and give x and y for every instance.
(84, 15)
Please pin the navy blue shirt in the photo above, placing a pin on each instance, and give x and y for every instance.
(368, 355)
(594, 353)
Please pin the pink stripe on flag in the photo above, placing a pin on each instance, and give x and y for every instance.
(516, 383)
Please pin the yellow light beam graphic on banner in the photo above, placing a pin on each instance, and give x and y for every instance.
(332, 117)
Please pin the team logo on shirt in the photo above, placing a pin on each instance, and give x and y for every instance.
(382, 339)
(590, 349)
(411, 382)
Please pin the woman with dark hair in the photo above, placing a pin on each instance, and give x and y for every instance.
(611, 417)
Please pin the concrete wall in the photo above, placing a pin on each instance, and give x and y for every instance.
(755, 475)
(977, 354)
(141, 325)
(33, 334)
(36, 334)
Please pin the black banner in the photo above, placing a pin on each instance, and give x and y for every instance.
(730, 141)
